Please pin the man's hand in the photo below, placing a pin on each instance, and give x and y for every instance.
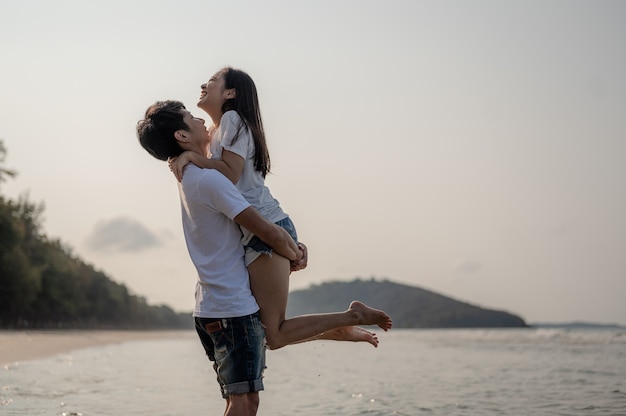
(300, 264)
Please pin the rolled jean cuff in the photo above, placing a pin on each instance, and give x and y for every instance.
(243, 387)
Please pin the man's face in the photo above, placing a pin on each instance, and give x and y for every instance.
(198, 133)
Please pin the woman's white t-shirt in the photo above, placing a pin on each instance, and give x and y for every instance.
(251, 184)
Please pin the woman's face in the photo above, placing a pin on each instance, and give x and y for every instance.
(213, 93)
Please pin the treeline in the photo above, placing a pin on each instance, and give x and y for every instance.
(43, 285)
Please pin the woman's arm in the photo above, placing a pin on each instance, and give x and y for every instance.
(230, 166)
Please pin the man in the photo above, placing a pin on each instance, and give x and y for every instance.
(226, 313)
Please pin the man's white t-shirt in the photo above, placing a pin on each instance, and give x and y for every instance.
(209, 202)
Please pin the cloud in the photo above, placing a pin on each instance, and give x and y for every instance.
(121, 234)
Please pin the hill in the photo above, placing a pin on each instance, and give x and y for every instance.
(44, 285)
(408, 306)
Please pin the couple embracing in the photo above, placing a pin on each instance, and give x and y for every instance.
(243, 245)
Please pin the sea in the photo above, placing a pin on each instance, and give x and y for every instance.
(522, 372)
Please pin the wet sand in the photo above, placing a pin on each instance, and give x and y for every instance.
(31, 345)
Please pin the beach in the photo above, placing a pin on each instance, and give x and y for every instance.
(32, 345)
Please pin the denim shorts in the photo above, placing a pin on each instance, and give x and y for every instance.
(256, 246)
(236, 346)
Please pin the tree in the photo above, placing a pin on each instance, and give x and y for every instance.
(4, 172)
(20, 279)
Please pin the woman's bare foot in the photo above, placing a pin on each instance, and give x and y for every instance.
(370, 316)
(352, 333)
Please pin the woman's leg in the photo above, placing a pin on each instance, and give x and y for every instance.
(347, 333)
(269, 281)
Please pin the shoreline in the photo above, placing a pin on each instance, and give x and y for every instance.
(28, 345)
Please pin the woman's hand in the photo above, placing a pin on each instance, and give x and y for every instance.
(177, 164)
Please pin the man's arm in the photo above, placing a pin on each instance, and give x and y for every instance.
(272, 234)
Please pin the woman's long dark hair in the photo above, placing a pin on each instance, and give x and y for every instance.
(246, 104)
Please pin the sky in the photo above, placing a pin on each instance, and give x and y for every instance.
(473, 148)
